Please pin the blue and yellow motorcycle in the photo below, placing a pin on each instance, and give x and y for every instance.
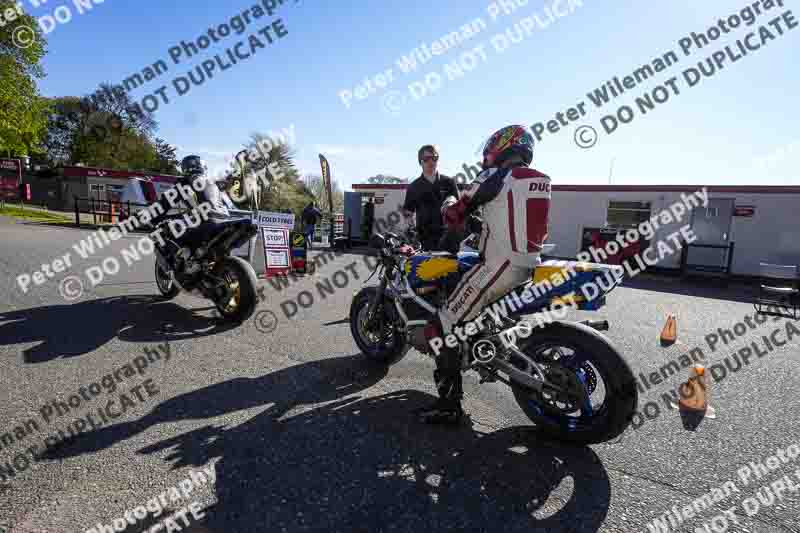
(566, 376)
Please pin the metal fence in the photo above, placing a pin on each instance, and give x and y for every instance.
(103, 211)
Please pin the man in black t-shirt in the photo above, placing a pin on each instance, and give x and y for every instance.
(425, 197)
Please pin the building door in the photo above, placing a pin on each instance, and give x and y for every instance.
(353, 213)
(712, 225)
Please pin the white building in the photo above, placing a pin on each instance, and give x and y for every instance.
(740, 227)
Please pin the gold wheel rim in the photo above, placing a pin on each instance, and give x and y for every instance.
(233, 302)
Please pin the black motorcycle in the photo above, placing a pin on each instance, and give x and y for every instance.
(201, 264)
(566, 376)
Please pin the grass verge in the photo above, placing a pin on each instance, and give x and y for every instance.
(31, 214)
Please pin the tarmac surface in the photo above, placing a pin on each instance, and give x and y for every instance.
(303, 434)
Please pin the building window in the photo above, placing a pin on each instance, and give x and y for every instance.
(625, 215)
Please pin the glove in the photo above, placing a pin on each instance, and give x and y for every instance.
(449, 201)
(454, 215)
(406, 250)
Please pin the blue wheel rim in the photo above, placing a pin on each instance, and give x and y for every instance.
(588, 414)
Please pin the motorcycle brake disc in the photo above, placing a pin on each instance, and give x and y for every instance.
(590, 376)
(571, 387)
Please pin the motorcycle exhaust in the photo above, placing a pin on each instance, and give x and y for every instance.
(599, 325)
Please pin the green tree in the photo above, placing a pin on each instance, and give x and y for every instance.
(126, 150)
(270, 179)
(315, 185)
(382, 178)
(23, 112)
(62, 126)
(265, 152)
(97, 130)
(167, 159)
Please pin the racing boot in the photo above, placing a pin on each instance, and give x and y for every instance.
(447, 376)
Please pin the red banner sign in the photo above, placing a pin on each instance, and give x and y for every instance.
(10, 178)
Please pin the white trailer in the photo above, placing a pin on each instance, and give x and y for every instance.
(741, 227)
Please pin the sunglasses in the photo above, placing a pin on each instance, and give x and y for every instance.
(429, 158)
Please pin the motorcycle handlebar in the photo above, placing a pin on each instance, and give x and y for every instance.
(391, 244)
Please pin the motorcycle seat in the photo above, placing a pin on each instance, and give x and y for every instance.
(231, 221)
(196, 236)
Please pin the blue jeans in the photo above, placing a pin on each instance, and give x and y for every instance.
(309, 231)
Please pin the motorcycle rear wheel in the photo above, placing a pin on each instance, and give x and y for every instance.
(593, 357)
(241, 279)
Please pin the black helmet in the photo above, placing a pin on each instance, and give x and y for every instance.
(193, 165)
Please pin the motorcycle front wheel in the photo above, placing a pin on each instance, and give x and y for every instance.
(598, 395)
(166, 283)
(240, 279)
(377, 339)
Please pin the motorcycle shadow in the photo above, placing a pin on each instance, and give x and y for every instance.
(362, 463)
(280, 392)
(72, 330)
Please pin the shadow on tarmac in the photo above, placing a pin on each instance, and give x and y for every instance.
(321, 456)
(71, 330)
(700, 288)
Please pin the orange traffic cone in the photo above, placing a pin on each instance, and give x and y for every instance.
(694, 393)
(670, 332)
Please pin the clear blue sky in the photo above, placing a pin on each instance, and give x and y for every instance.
(738, 127)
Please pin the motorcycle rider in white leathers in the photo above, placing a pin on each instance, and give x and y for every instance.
(514, 201)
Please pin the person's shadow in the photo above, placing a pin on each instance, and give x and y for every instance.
(71, 330)
(359, 463)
